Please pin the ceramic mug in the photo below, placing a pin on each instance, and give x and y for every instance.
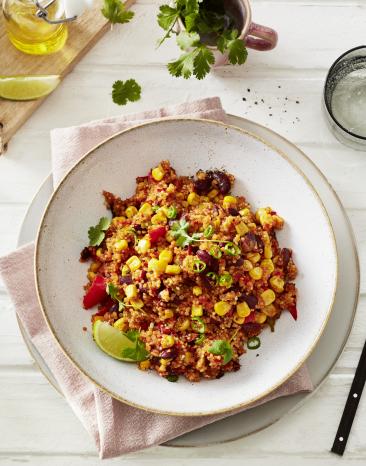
(254, 35)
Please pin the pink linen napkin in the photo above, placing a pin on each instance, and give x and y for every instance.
(115, 427)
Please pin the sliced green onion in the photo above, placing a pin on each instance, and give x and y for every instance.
(225, 280)
(208, 232)
(213, 276)
(200, 339)
(198, 325)
(253, 343)
(171, 212)
(198, 266)
(232, 249)
(172, 378)
(216, 252)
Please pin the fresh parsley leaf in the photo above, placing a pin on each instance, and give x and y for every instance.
(186, 40)
(124, 91)
(113, 292)
(229, 42)
(138, 353)
(96, 234)
(203, 61)
(222, 348)
(115, 11)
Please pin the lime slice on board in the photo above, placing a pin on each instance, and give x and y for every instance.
(27, 87)
(111, 340)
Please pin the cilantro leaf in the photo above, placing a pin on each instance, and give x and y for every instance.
(186, 40)
(203, 61)
(138, 353)
(115, 11)
(124, 91)
(229, 42)
(167, 16)
(222, 348)
(179, 231)
(183, 66)
(96, 234)
(113, 292)
(172, 378)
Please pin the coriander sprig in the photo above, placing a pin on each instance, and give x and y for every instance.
(115, 11)
(97, 234)
(200, 19)
(179, 231)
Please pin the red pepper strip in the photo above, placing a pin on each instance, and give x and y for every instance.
(250, 318)
(293, 311)
(96, 293)
(156, 234)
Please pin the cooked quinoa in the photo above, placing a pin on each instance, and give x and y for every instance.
(193, 269)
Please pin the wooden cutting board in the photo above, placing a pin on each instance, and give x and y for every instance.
(83, 34)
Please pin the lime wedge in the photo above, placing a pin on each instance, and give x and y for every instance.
(27, 87)
(111, 340)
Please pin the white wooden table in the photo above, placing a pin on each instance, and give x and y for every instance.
(36, 425)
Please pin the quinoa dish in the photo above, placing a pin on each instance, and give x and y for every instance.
(184, 276)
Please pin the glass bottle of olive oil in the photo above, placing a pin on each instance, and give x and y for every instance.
(31, 33)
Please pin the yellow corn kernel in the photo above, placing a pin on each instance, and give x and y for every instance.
(99, 252)
(244, 212)
(143, 245)
(193, 199)
(254, 257)
(268, 297)
(120, 245)
(267, 266)
(168, 314)
(241, 229)
(277, 284)
(247, 265)
(91, 276)
(94, 266)
(205, 199)
(166, 256)
(159, 218)
(243, 310)
(216, 223)
(144, 365)
(120, 324)
(167, 341)
(185, 325)
(263, 217)
(213, 193)
(270, 310)
(146, 209)
(229, 201)
(239, 320)
(131, 211)
(125, 270)
(134, 263)
(131, 291)
(117, 220)
(188, 357)
(137, 303)
(170, 188)
(156, 266)
(260, 317)
(268, 251)
(222, 308)
(196, 310)
(197, 290)
(256, 273)
(173, 269)
(158, 173)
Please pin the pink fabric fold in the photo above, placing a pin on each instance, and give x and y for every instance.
(116, 428)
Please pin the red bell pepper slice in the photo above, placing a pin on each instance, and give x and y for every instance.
(156, 234)
(293, 311)
(96, 293)
(250, 318)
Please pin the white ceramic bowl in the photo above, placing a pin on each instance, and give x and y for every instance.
(265, 177)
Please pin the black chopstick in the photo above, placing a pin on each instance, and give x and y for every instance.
(350, 409)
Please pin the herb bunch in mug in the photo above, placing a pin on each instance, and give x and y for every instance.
(206, 24)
